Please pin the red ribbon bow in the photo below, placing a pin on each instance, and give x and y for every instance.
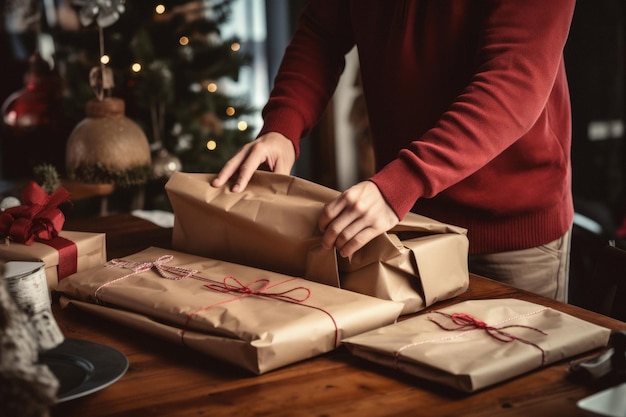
(38, 218)
(466, 322)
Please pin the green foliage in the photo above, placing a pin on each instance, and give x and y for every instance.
(47, 176)
(100, 174)
(167, 98)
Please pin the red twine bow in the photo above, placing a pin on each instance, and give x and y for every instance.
(258, 287)
(261, 287)
(466, 322)
(166, 271)
(229, 285)
(38, 218)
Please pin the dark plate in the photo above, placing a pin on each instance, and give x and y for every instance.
(83, 367)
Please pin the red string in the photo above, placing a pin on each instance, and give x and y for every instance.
(467, 322)
(166, 271)
(247, 290)
(231, 285)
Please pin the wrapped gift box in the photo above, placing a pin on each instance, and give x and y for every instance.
(256, 319)
(90, 252)
(273, 225)
(475, 344)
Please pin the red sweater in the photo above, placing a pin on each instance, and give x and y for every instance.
(468, 105)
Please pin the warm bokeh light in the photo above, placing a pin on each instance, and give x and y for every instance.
(159, 9)
(104, 59)
(183, 40)
(136, 67)
(230, 111)
(211, 87)
(211, 145)
(235, 46)
(242, 125)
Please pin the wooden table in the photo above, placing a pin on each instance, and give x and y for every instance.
(164, 379)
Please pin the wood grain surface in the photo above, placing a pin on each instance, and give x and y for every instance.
(164, 379)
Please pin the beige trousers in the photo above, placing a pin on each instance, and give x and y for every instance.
(543, 269)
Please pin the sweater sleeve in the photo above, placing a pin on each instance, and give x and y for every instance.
(309, 71)
(519, 57)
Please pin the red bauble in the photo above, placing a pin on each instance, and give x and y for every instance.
(34, 125)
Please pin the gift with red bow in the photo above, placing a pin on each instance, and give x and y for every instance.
(478, 343)
(253, 318)
(33, 231)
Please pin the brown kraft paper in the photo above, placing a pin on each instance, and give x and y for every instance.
(523, 336)
(91, 251)
(255, 319)
(273, 225)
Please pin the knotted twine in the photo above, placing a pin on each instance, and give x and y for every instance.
(467, 323)
(230, 285)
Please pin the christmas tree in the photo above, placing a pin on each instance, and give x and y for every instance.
(168, 61)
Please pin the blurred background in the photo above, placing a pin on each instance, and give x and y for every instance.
(193, 75)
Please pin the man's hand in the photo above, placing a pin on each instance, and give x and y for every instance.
(272, 150)
(354, 218)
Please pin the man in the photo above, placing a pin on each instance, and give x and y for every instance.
(469, 109)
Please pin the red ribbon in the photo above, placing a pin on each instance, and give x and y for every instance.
(37, 219)
(466, 322)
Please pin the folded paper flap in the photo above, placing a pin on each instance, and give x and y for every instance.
(287, 185)
(321, 266)
(218, 297)
(415, 223)
(381, 248)
(442, 275)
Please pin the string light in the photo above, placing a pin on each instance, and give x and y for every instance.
(159, 9)
(230, 111)
(211, 87)
(242, 125)
(136, 67)
(211, 145)
(235, 46)
(183, 40)
(104, 59)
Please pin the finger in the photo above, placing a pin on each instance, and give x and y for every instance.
(355, 243)
(230, 168)
(330, 212)
(247, 170)
(337, 227)
(348, 232)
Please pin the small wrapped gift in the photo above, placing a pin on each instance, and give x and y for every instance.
(475, 344)
(81, 250)
(32, 232)
(273, 225)
(256, 319)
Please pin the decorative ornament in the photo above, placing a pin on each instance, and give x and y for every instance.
(8, 202)
(108, 147)
(34, 125)
(164, 164)
(103, 12)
